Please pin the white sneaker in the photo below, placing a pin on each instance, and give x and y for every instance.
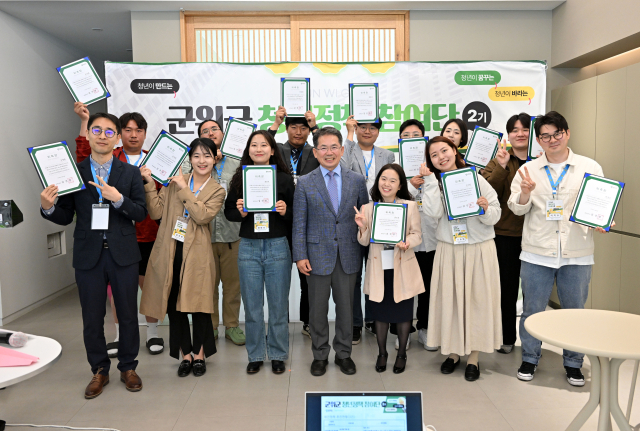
(408, 343)
(422, 339)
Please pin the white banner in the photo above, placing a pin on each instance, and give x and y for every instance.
(177, 97)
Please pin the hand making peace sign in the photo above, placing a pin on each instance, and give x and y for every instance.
(527, 185)
(502, 156)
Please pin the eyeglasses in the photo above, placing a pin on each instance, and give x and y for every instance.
(557, 136)
(366, 128)
(333, 149)
(107, 132)
(411, 135)
(208, 131)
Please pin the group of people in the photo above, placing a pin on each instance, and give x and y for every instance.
(194, 233)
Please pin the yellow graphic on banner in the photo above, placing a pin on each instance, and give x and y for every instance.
(511, 94)
(329, 67)
(378, 67)
(282, 68)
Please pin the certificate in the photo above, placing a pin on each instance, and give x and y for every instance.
(535, 150)
(165, 157)
(389, 222)
(55, 165)
(597, 202)
(412, 155)
(83, 82)
(236, 137)
(259, 188)
(461, 193)
(294, 96)
(363, 102)
(482, 147)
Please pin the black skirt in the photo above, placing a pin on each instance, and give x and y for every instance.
(388, 310)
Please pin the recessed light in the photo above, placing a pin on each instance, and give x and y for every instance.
(96, 29)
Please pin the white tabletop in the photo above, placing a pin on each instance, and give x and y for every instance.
(46, 349)
(604, 333)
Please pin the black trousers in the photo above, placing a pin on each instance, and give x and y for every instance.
(509, 249)
(425, 262)
(304, 298)
(92, 288)
(179, 329)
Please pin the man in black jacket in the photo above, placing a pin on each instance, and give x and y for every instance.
(299, 156)
(105, 248)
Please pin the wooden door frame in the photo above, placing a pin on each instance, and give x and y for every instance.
(402, 21)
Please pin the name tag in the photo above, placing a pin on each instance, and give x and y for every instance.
(387, 257)
(460, 234)
(180, 229)
(295, 180)
(99, 217)
(225, 185)
(555, 210)
(419, 200)
(260, 222)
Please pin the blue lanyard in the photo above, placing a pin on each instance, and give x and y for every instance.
(95, 179)
(129, 161)
(367, 166)
(219, 171)
(186, 213)
(294, 168)
(554, 186)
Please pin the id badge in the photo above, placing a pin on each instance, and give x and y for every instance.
(180, 229)
(387, 257)
(99, 217)
(225, 185)
(460, 234)
(555, 210)
(260, 222)
(419, 200)
(295, 180)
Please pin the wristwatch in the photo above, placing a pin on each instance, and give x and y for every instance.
(314, 128)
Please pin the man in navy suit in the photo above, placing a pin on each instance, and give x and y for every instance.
(325, 247)
(104, 252)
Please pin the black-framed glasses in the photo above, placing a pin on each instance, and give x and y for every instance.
(557, 136)
(107, 132)
(208, 131)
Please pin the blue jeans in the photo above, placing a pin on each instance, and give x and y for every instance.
(537, 284)
(265, 264)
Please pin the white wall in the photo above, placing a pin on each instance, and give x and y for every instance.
(37, 109)
(155, 37)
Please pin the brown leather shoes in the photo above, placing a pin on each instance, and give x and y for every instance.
(131, 380)
(94, 388)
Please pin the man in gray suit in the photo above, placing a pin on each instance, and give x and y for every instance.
(366, 159)
(325, 247)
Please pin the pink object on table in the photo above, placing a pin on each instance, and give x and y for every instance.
(13, 358)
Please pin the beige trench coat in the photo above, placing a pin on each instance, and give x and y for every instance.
(198, 268)
(407, 279)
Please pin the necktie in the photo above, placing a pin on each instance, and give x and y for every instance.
(333, 191)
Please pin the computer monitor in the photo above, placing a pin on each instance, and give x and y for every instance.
(360, 411)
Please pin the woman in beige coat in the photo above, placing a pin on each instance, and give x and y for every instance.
(392, 278)
(181, 272)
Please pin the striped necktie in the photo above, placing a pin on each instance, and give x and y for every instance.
(333, 190)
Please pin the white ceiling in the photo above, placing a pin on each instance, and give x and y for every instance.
(72, 21)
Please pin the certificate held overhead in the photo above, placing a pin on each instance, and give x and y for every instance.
(83, 82)
(56, 166)
(412, 155)
(236, 137)
(294, 96)
(165, 157)
(482, 147)
(364, 102)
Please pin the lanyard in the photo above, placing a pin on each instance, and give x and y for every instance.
(219, 171)
(186, 213)
(294, 168)
(367, 166)
(95, 179)
(554, 186)
(129, 161)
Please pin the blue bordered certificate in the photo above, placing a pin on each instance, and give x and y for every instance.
(364, 102)
(55, 165)
(259, 188)
(461, 193)
(597, 202)
(482, 147)
(83, 82)
(412, 155)
(295, 96)
(165, 157)
(236, 137)
(389, 223)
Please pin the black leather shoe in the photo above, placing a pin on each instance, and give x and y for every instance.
(199, 367)
(346, 365)
(448, 366)
(277, 367)
(472, 373)
(398, 370)
(319, 367)
(379, 367)
(185, 368)
(254, 367)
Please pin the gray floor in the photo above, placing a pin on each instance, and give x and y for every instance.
(226, 398)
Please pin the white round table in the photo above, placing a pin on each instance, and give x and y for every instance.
(46, 349)
(608, 338)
